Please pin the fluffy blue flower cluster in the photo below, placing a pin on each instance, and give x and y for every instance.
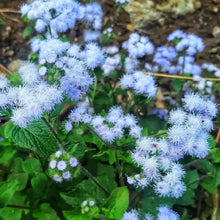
(58, 17)
(138, 46)
(180, 57)
(164, 214)
(187, 135)
(29, 101)
(141, 83)
(72, 64)
(112, 61)
(211, 68)
(109, 128)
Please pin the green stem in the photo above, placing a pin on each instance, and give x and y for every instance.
(94, 89)
(91, 177)
(19, 207)
(118, 168)
(54, 133)
(129, 105)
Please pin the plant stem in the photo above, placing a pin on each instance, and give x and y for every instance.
(19, 207)
(94, 89)
(118, 168)
(54, 133)
(91, 177)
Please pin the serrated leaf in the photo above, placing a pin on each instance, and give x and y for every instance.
(20, 178)
(45, 212)
(31, 165)
(7, 190)
(6, 154)
(75, 215)
(212, 182)
(9, 213)
(38, 183)
(117, 203)
(36, 137)
(150, 201)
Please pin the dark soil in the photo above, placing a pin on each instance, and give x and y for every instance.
(201, 22)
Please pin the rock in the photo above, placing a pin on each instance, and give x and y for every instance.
(142, 13)
(14, 65)
(216, 1)
(198, 4)
(215, 9)
(145, 12)
(213, 50)
(216, 33)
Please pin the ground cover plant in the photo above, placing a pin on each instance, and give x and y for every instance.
(81, 138)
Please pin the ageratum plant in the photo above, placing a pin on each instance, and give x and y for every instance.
(77, 141)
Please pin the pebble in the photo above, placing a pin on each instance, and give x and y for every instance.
(215, 9)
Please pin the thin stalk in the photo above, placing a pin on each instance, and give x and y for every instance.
(179, 77)
(119, 171)
(91, 177)
(19, 207)
(54, 133)
(94, 89)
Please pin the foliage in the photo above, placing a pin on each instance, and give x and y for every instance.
(79, 139)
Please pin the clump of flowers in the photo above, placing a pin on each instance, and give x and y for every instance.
(111, 127)
(187, 135)
(29, 101)
(163, 214)
(141, 83)
(88, 207)
(62, 166)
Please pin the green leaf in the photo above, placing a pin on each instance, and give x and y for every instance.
(39, 182)
(211, 142)
(152, 123)
(20, 178)
(191, 179)
(7, 190)
(27, 32)
(177, 84)
(150, 201)
(15, 79)
(1, 21)
(36, 137)
(75, 215)
(57, 109)
(6, 154)
(216, 158)
(211, 182)
(31, 165)
(8, 213)
(45, 212)
(87, 189)
(71, 199)
(117, 203)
